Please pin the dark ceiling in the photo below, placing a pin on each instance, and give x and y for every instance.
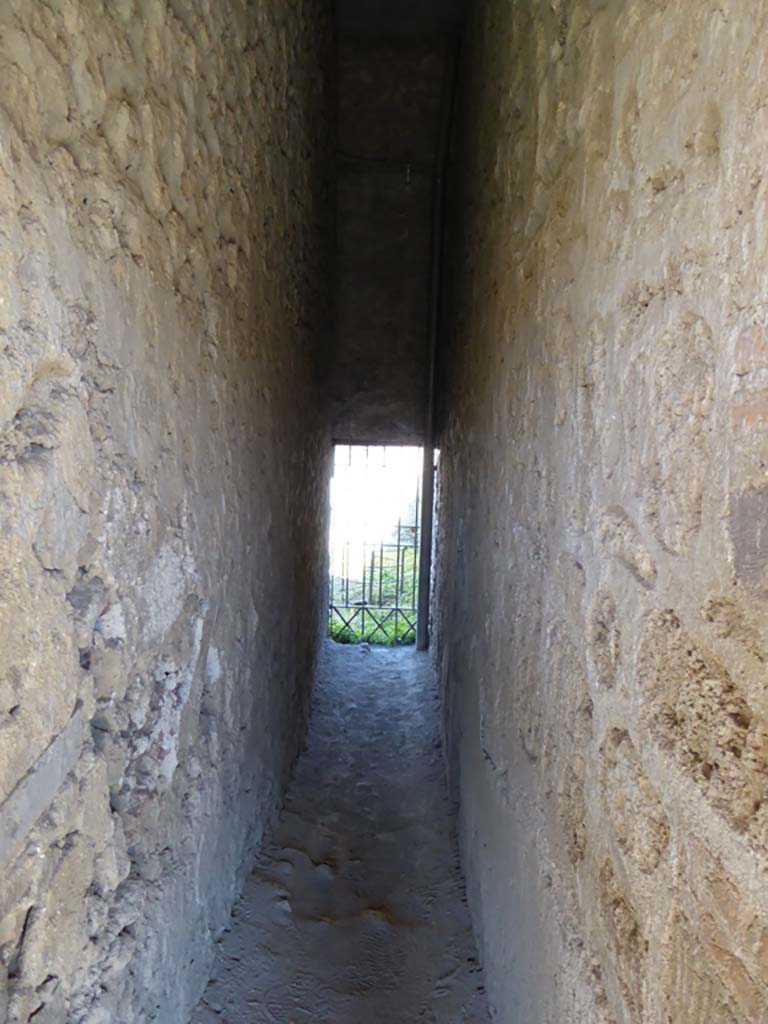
(398, 17)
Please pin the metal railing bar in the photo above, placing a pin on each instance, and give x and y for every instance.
(347, 622)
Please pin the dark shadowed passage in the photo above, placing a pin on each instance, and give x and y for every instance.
(355, 911)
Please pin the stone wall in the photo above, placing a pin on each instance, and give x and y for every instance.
(163, 463)
(602, 592)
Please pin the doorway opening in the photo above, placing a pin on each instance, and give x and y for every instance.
(374, 544)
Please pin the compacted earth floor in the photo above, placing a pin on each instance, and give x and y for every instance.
(355, 911)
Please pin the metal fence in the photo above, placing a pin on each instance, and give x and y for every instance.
(374, 582)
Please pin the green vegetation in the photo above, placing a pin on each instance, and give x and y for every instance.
(369, 610)
(380, 627)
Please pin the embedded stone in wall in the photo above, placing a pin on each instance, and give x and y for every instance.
(749, 400)
(748, 536)
(36, 791)
(633, 807)
(627, 943)
(572, 810)
(701, 717)
(622, 540)
(692, 990)
(604, 638)
(731, 941)
(673, 462)
(732, 619)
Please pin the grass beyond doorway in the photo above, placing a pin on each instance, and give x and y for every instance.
(374, 549)
(386, 615)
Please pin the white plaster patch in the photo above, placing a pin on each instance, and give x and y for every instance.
(213, 665)
(111, 624)
(163, 592)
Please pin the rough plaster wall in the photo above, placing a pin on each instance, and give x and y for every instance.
(602, 584)
(162, 462)
(389, 123)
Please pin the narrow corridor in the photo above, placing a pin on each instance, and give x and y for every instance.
(528, 240)
(355, 913)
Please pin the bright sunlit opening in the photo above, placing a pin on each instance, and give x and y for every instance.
(375, 509)
(371, 491)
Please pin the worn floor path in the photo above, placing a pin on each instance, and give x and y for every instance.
(355, 912)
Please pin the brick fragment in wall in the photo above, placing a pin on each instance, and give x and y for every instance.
(34, 793)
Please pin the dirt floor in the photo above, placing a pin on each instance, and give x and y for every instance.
(355, 912)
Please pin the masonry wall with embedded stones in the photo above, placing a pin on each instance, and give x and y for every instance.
(163, 456)
(602, 586)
